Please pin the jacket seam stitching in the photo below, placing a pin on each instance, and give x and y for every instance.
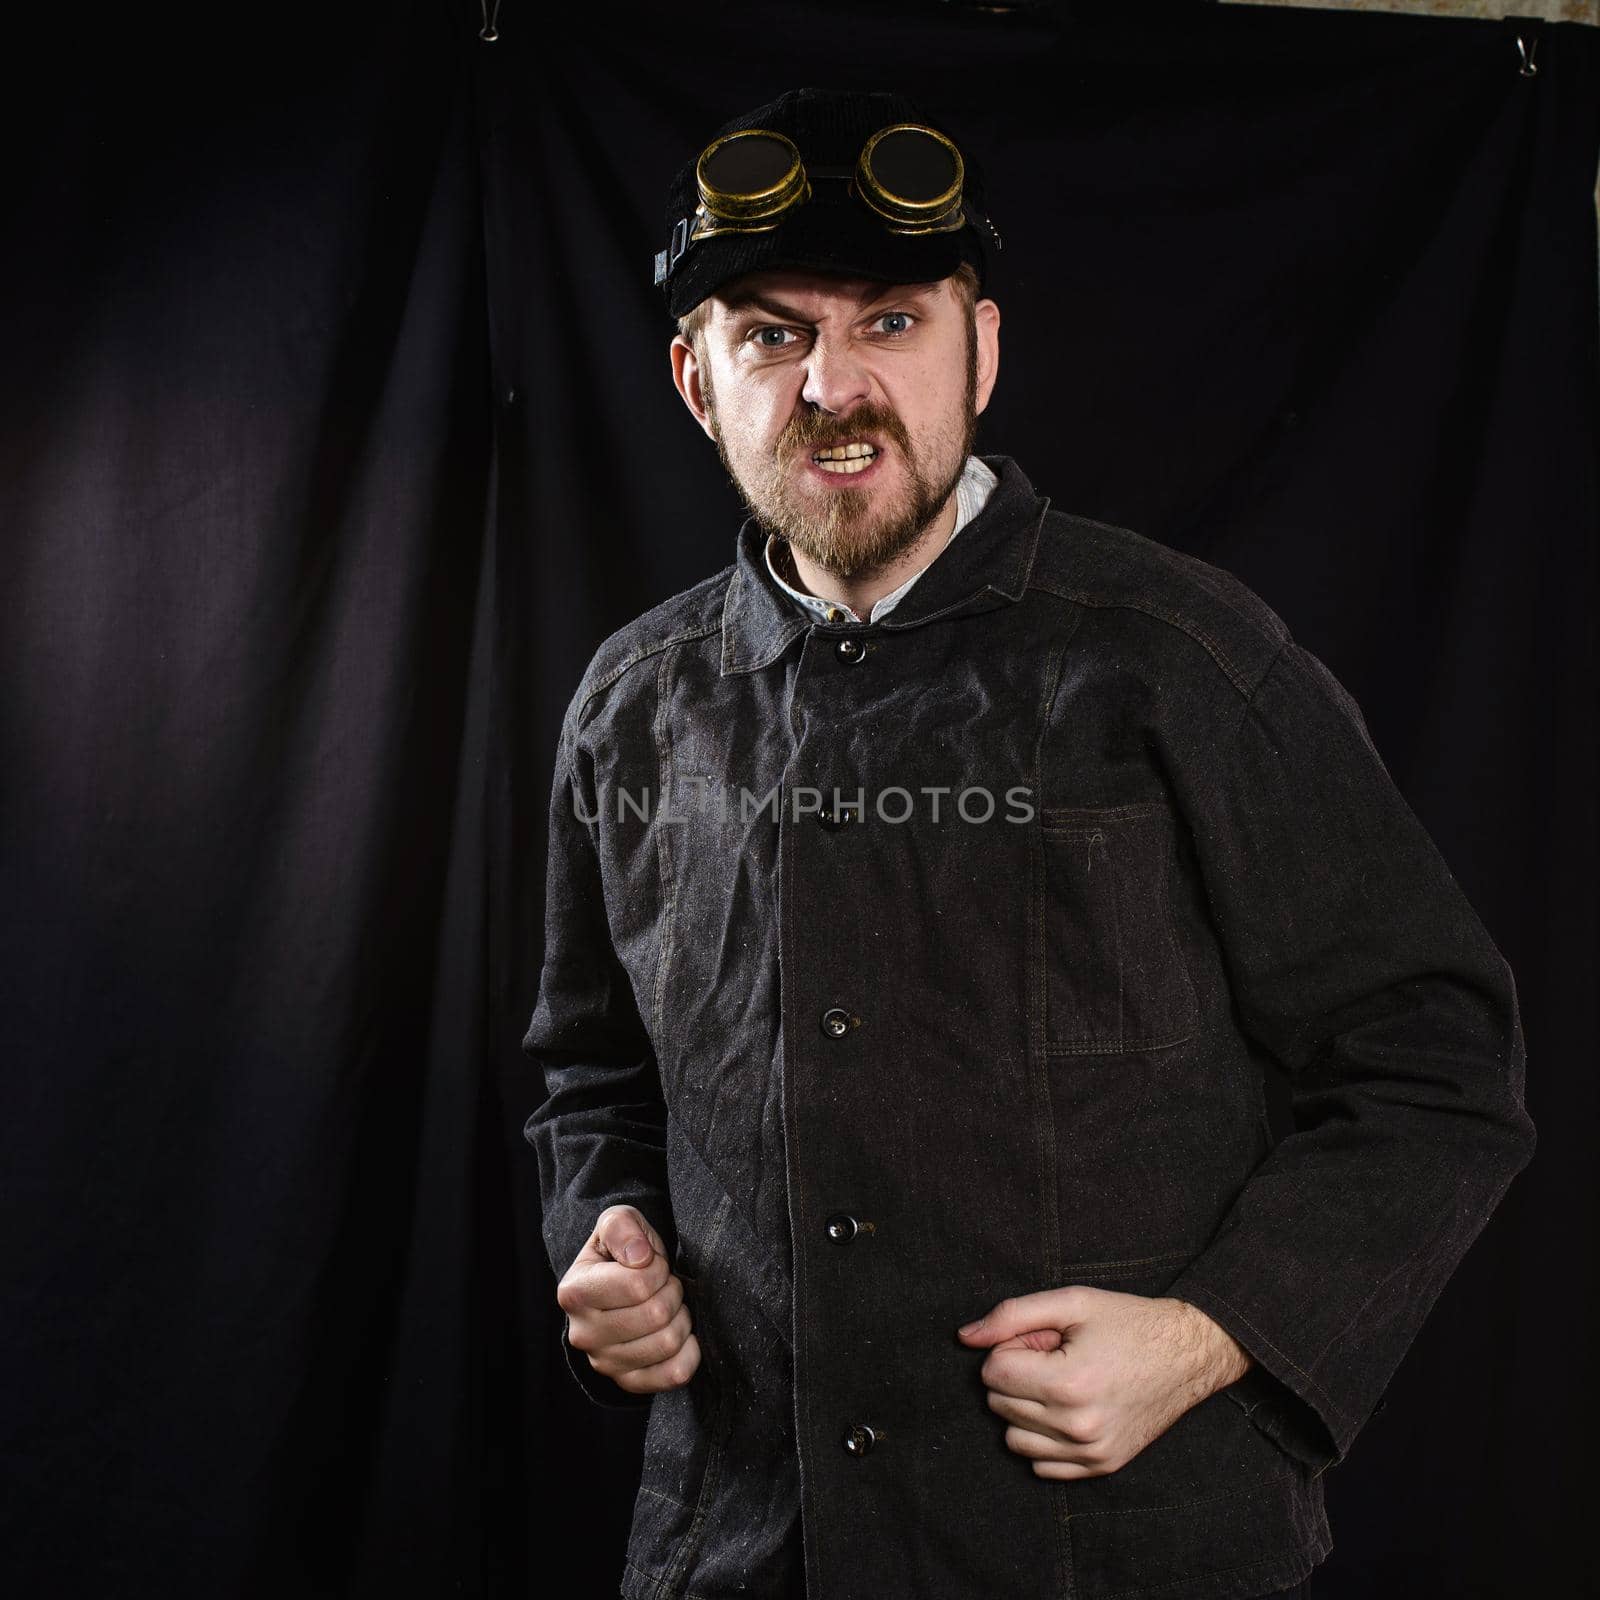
(1237, 1566)
(669, 898)
(1196, 569)
(1130, 1261)
(711, 1472)
(1256, 1488)
(671, 1500)
(1055, 1272)
(692, 1145)
(661, 1590)
(1047, 1156)
(801, 1397)
(1173, 619)
(644, 654)
(1247, 711)
(1125, 1048)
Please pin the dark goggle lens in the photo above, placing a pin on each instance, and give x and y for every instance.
(747, 166)
(913, 167)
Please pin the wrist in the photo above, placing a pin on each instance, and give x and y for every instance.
(1221, 1359)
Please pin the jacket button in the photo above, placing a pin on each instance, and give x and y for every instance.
(853, 650)
(835, 1022)
(841, 1227)
(836, 819)
(858, 1439)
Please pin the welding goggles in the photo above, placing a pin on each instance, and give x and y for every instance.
(908, 177)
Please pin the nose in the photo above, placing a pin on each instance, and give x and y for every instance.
(836, 378)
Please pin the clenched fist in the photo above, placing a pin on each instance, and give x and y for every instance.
(1087, 1377)
(625, 1307)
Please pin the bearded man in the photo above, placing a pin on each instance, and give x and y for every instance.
(927, 889)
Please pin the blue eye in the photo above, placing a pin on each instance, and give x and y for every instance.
(770, 327)
(900, 314)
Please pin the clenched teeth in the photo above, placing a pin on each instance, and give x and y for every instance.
(845, 452)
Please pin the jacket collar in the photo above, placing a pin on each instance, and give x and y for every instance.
(987, 566)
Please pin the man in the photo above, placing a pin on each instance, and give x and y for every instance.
(926, 890)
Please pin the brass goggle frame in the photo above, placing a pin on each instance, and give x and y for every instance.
(724, 211)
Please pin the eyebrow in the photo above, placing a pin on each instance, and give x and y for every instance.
(752, 298)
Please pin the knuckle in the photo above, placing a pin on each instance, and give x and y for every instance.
(691, 1355)
(1080, 1296)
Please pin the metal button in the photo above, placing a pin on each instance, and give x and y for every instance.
(852, 650)
(836, 1022)
(842, 1227)
(858, 1438)
(835, 819)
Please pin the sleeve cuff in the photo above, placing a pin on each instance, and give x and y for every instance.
(1268, 1392)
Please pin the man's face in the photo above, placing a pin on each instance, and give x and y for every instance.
(794, 362)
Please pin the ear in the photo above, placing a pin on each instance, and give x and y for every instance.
(686, 380)
(986, 315)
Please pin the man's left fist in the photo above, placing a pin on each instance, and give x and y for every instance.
(1088, 1377)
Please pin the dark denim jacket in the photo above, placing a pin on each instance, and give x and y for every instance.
(870, 1067)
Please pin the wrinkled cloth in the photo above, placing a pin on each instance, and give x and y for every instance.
(869, 1074)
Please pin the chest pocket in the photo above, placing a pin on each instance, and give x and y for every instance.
(1115, 979)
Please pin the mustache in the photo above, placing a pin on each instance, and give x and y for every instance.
(816, 434)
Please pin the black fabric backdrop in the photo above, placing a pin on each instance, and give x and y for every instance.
(337, 431)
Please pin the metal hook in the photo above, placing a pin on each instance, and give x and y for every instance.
(1529, 68)
(488, 32)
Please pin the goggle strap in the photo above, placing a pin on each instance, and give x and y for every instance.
(667, 259)
(979, 220)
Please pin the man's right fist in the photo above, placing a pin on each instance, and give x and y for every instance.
(625, 1306)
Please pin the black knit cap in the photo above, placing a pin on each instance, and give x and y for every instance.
(833, 231)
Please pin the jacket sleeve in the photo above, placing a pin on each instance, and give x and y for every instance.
(600, 1133)
(1356, 961)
